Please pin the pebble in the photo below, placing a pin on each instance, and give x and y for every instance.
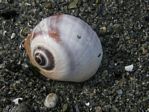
(97, 1)
(119, 92)
(13, 35)
(65, 108)
(98, 109)
(129, 68)
(51, 100)
(117, 28)
(24, 65)
(103, 29)
(87, 104)
(73, 4)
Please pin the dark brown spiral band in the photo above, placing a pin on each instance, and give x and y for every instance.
(44, 59)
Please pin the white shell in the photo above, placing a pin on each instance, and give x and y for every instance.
(75, 47)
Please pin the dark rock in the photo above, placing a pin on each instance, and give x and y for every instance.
(9, 14)
(146, 18)
(23, 107)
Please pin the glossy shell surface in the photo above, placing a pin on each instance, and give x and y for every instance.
(65, 48)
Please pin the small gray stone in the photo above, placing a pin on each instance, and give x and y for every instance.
(73, 4)
(98, 109)
(119, 92)
(51, 100)
(65, 107)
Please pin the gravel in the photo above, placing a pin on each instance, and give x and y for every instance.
(123, 27)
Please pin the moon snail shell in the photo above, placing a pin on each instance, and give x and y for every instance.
(65, 48)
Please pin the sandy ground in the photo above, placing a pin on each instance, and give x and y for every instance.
(123, 28)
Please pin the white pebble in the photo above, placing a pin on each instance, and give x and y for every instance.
(51, 100)
(13, 35)
(16, 101)
(4, 33)
(129, 68)
(27, 4)
(87, 104)
(25, 65)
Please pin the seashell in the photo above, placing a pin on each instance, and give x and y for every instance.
(65, 48)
